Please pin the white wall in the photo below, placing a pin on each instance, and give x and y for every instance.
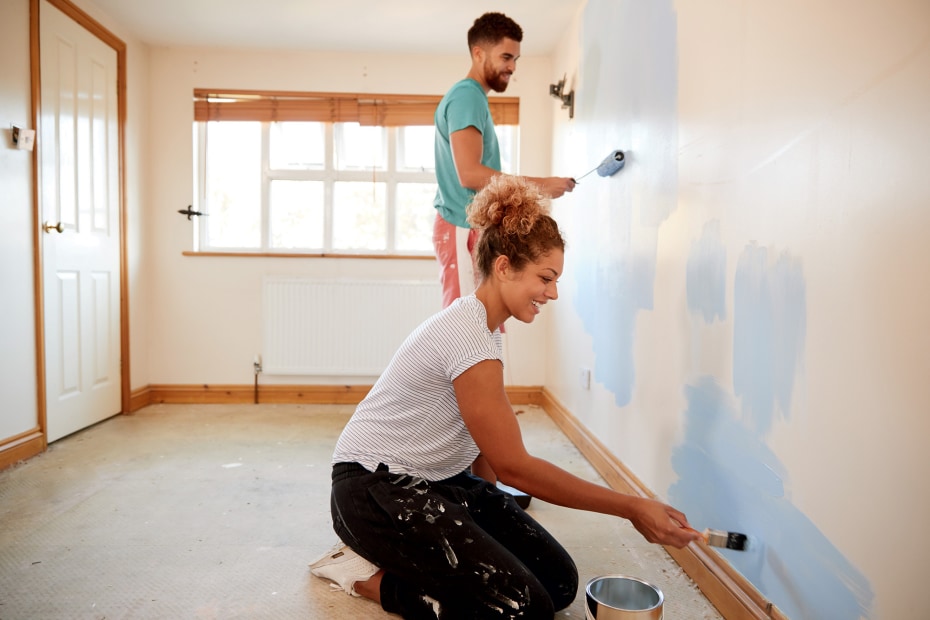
(752, 290)
(18, 385)
(205, 311)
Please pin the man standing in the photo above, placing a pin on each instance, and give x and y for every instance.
(466, 148)
(468, 155)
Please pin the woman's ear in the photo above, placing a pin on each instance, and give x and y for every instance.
(502, 267)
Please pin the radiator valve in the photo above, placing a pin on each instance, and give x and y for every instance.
(257, 365)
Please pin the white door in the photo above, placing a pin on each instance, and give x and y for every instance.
(78, 148)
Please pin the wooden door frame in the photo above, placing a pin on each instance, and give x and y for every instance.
(96, 29)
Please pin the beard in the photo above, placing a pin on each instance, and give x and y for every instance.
(495, 79)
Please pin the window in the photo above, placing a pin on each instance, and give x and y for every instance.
(332, 186)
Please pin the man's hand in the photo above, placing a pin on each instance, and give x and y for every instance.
(554, 187)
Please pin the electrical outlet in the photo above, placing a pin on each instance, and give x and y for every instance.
(586, 378)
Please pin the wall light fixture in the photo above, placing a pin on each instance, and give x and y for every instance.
(568, 100)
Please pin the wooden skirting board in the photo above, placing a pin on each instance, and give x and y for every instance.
(21, 447)
(269, 394)
(732, 594)
(242, 394)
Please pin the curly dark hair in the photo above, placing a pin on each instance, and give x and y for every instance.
(512, 215)
(491, 28)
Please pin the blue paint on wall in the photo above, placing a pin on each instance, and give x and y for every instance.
(707, 274)
(622, 286)
(627, 102)
(730, 480)
(769, 328)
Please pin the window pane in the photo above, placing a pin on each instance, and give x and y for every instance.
(296, 146)
(415, 217)
(233, 184)
(296, 214)
(506, 139)
(415, 148)
(360, 147)
(359, 216)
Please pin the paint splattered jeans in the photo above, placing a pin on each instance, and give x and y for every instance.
(455, 549)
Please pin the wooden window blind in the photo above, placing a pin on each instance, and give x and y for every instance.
(365, 109)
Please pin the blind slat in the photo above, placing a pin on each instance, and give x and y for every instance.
(381, 110)
(334, 110)
(396, 114)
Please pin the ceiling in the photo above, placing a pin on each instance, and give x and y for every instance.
(395, 26)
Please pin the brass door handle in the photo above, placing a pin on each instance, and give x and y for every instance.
(49, 227)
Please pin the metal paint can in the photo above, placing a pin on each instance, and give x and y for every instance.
(618, 597)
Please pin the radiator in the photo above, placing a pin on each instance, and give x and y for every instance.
(339, 327)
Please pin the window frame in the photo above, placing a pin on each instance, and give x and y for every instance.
(367, 110)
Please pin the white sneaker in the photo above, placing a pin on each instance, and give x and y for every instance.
(343, 566)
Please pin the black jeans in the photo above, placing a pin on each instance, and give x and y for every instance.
(455, 549)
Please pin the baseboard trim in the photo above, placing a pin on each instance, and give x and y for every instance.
(241, 394)
(21, 447)
(281, 394)
(731, 593)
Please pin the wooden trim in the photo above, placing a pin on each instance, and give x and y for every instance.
(529, 395)
(88, 23)
(37, 239)
(267, 394)
(121, 103)
(280, 394)
(140, 398)
(21, 447)
(731, 593)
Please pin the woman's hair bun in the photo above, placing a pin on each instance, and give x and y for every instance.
(511, 203)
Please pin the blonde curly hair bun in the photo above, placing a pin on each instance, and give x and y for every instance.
(509, 202)
(513, 217)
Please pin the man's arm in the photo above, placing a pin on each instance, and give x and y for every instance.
(467, 148)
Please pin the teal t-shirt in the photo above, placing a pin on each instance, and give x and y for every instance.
(465, 105)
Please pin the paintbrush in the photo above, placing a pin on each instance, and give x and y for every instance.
(725, 540)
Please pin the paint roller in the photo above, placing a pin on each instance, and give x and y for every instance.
(609, 166)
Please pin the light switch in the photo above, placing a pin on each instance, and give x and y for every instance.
(24, 139)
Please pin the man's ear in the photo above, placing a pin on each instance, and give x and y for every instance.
(477, 53)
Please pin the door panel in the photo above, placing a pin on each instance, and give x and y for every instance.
(79, 179)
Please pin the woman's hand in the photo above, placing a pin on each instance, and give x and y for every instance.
(662, 524)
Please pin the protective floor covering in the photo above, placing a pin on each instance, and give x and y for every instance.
(214, 511)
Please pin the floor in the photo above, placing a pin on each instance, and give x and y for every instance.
(214, 511)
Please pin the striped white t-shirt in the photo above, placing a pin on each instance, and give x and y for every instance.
(410, 420)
